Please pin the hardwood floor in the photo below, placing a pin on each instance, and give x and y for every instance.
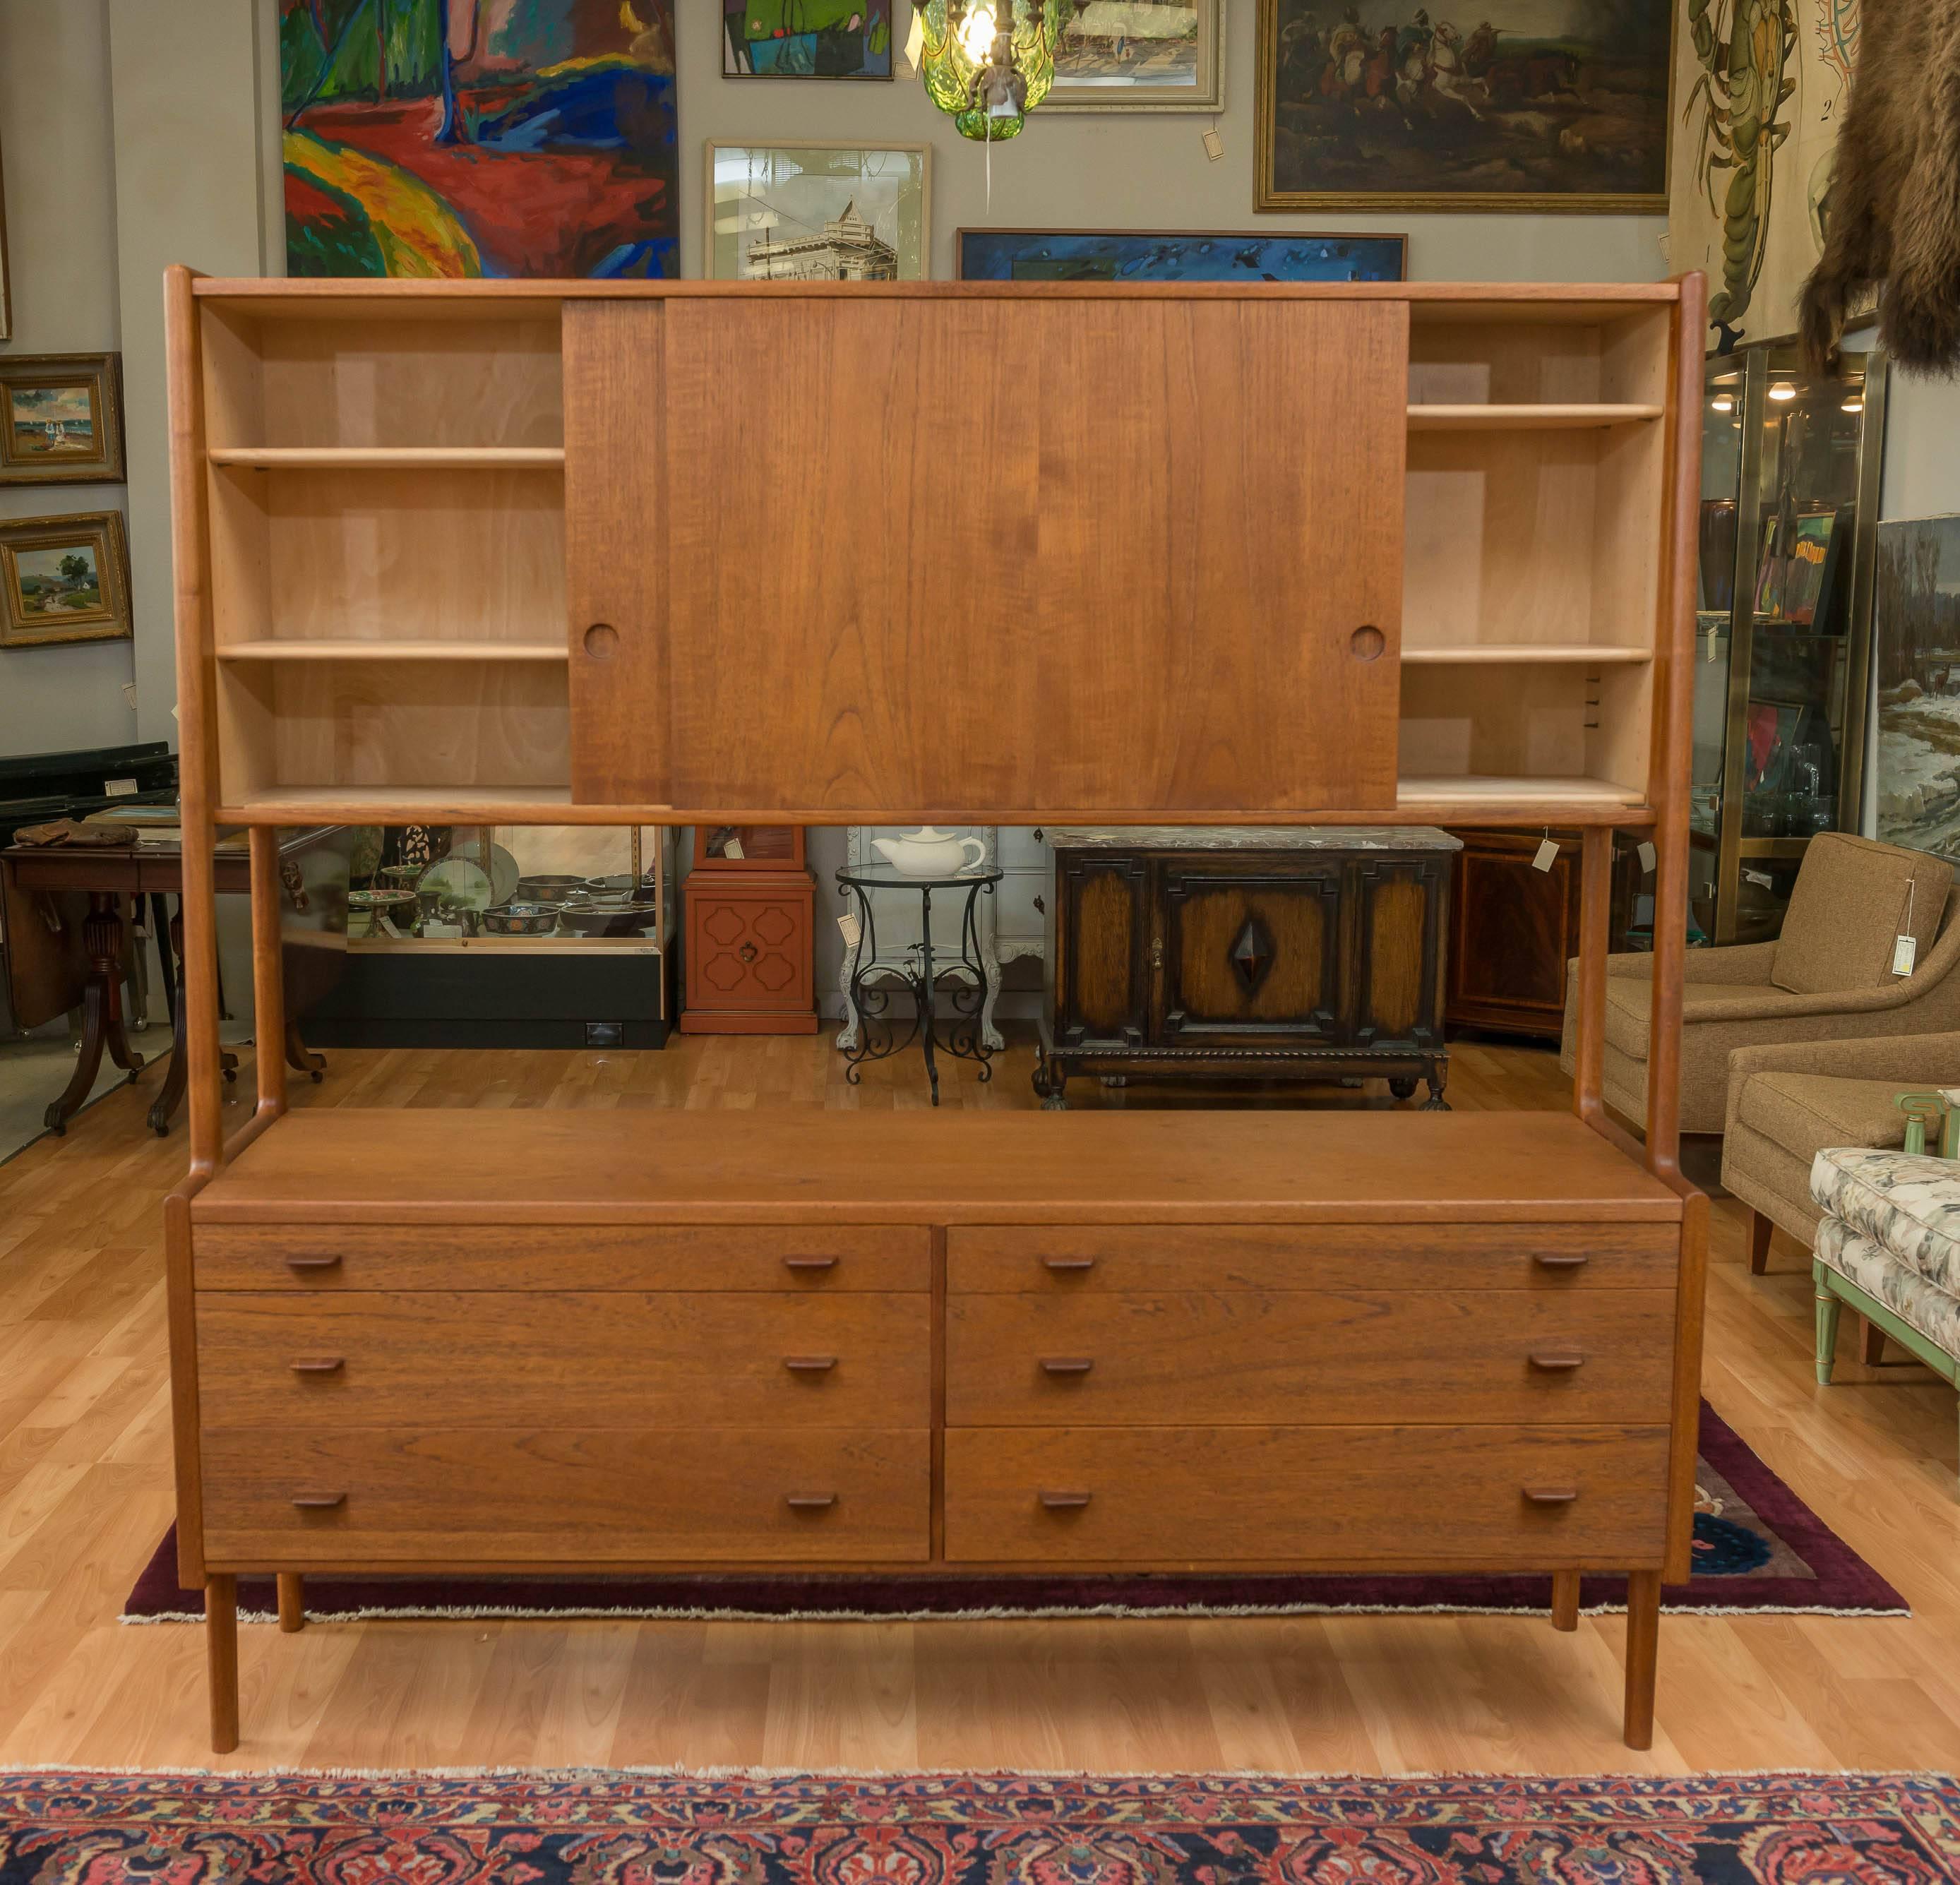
(85, 1495)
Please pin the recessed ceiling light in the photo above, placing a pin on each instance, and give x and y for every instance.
(1721, 403)
(1852, 405)
(1782, 389)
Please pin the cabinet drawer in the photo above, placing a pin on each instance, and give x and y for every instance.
(1250, 1357)
(459, 1497)
(774, 1256)
(1311, 1496)
(1411, 1256)
(367, 1358)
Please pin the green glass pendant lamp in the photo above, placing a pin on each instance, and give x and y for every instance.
(987, 63)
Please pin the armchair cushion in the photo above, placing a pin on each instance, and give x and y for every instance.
(1629, 1003)
(1908, 1204)
(1809, 1110)
(1853, 898)
(1866, 1263)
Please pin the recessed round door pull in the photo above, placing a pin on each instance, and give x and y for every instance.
(809, 1364)
(320, 1501)
(318, 1364)
(602, 641)
(1063, 1501)
(1067, 1365)
(1367, 642)
(1557, 1361)
(1550, 1495)
(310, 1263)
(810, 1502)
(810, 1266)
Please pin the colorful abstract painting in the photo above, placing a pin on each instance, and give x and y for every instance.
(441, 138)
(806, 39)
(1145, 254)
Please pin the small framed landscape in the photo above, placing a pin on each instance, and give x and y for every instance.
(1917, 651)
(818, 211)
(63, 579)
(61, 419)
(1175, 255)
(806, 39)
(1141, 56)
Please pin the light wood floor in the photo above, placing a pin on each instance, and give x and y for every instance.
(85, 1495)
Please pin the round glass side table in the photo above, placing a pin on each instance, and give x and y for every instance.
(960, 976)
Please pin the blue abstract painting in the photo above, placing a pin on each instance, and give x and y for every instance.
(1124, 255)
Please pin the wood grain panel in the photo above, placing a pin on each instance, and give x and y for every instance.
(1169, 1496)
(823, 1257)
(1253, 1357)
(563, 1495)
(1143, 572)
(1096, 1259)
(364, 1359)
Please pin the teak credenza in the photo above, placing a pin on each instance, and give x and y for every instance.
(517, 552)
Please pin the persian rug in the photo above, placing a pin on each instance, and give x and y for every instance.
(597, 1828)
(1758, 1548)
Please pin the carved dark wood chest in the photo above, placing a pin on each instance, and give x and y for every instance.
(1262, 954)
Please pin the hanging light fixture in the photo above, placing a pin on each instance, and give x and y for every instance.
(987, 63)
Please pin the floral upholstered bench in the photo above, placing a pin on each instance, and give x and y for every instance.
(1889, 1245)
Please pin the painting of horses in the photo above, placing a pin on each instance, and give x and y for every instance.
(448, 137)
(1540, 105)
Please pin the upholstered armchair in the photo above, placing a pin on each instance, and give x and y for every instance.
(1828, 978)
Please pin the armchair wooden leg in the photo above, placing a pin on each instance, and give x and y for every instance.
(221, 1652)
(292, 1601)
(1828, 1310)
(1760, 1229)
(1643, 1656)
(1565, 1600)
(1872, 1348)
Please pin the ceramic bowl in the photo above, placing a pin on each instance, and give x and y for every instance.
(547, 889)
(519, 918)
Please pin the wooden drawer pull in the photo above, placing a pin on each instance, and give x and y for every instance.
(1068, 1265)
(1063, 1501)
(320, 1501)
(810, 1502)
(812, 1265)
(318, 1364)
(305, 1264)
(809, 1364)
(1066, 1365)
(1557, 1361)
(1545, 1260)
(1550, 1495)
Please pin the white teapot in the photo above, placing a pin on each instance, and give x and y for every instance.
(928, 852)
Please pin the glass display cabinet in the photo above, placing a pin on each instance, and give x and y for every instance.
(1791, 466)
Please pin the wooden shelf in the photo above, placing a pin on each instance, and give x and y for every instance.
(1471, 791)
(1496, 653)
(419, 804)
(295, 648)
(391, 457)
(1526, 418)
(552, 945)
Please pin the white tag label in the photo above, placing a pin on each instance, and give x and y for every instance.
(1905, 952)
(387, 928)
(1546, 855)
(1646, 857)
(732, 849)
(850, 929)
(119, 788)
(1760, 879)
(1214, 146)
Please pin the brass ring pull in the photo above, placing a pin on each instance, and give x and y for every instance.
(748, 952)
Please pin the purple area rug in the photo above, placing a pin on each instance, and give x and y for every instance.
(1758, 1548)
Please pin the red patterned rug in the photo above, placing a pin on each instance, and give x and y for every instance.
(1758, 1549)
(595, 1828)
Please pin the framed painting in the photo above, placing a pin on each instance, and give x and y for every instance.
(1175, 255)
(6, 297)
(1550, 105)
(1917, 651)
(468, 137)
(817, 212)
(61, 419)
(63, 579)
(1141, 56)
(806, 39)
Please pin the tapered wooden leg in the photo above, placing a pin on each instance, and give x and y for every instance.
(1565, 1600)
(221, 1652)
(1643, 1651)
(1828, 1310)
(1760, 1228)
(292, 1601)
(1872, 1348)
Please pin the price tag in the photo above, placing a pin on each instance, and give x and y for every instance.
(1214, 145)
(1546, 855)
(1905, 952)
(1647, 858)
(732, 849)
(119, 788)
(850, 929)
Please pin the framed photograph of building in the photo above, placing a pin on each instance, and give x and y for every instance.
(816, 211)
(63, 579)
(1175, 255)
(61, 419)
(1141, 56)
(806, 39)
(1554, 104)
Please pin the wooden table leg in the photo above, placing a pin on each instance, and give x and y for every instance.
(102, 937)
(221, 1652)
(1565, 1600)
(1643, 1654)
(292, 1601)
(176, 1076)
(301, 1058)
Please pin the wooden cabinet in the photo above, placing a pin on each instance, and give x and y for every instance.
(750, 952)
(1259, 954)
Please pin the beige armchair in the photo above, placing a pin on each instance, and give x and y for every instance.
(1828, 978)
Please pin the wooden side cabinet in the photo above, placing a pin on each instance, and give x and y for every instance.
(749, 953)
(1263, 953)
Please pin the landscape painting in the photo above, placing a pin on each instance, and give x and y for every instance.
(1140, 55)
(456, 137)
(1540, 105)
(805, 39)
(63, 579)
(1132, 255)
(60, 419)
(1917, 635)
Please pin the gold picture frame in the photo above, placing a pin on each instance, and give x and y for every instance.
(61, 419)
(1206, 94)
(1536, 77)
(6, 296)
(911, 248)
(63, 579)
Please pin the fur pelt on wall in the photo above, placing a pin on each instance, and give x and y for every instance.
(1895, 215)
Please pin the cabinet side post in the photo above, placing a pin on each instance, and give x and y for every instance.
(1596, 890)
(268, 978)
